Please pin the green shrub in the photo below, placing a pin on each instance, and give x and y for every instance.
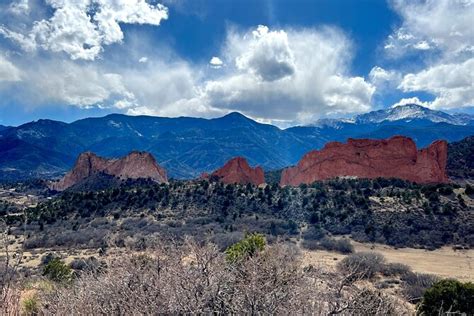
(57, 271)
(448, 296)
(446, 190)
(247, 247)
(469, 189)
(30, 306)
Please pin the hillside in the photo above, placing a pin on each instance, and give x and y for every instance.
(382, 210)
(461, 159)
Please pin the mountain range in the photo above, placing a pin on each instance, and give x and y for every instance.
(187, 146)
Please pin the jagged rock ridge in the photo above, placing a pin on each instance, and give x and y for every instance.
(237, 170)
(396, 157)
(135, 165)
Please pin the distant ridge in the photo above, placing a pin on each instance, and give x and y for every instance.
(188, 146)
(405, 113)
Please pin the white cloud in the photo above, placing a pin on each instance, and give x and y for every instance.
(165, 89)
(414, 100)
(267, 54)
(422, 45)
(445, 25)
(8, 71)
(80, 85)
(303, 75)
(256, 82)
(81, 28)
(216, 62)
(143, 60)
(26, 42)
(381, 77)
(452, 84)
(19, 7)
(287, 75)
(444, 29)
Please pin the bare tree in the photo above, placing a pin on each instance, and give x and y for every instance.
(10, 260)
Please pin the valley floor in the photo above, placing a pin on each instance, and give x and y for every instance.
(444, 262)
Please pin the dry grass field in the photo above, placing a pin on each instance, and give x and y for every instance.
(444, 262)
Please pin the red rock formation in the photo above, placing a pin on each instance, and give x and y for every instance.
(133, 166)
(396, 157)
(237, 170)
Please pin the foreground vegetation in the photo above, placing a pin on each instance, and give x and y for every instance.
(206, 247)
(250, 277)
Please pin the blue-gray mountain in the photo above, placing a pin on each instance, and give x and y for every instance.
(186, 147)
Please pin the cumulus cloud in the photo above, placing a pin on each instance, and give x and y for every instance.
(280, 76)
(444, 29)
(84, 86)
(453, 84)
(162, 89)
(414, 100)
(216, 62)
(80, 28)
(287, 75)
(266, 54)
(422, 45)
(445, 25)
(8, 71)
(383, 78)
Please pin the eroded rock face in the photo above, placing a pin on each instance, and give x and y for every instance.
(237, 170)
(135, 165)
(396, 157)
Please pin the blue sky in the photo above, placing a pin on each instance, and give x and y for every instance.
(281, 61)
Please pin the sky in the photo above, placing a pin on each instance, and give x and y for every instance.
(285, 62)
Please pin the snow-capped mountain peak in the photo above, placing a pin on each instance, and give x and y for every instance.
(410, 112)
(405, 113)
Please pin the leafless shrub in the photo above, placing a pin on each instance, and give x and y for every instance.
(9, 264)
(372, 302)
(392, 269)
(414, 285)
(362, 265)
(347, 293)
(271, 283)
(196, 278)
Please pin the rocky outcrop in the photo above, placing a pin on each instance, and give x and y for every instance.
(396, 157)
(237, 170)
(135, 165)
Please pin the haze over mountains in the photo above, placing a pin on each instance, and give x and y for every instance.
(186, 147)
